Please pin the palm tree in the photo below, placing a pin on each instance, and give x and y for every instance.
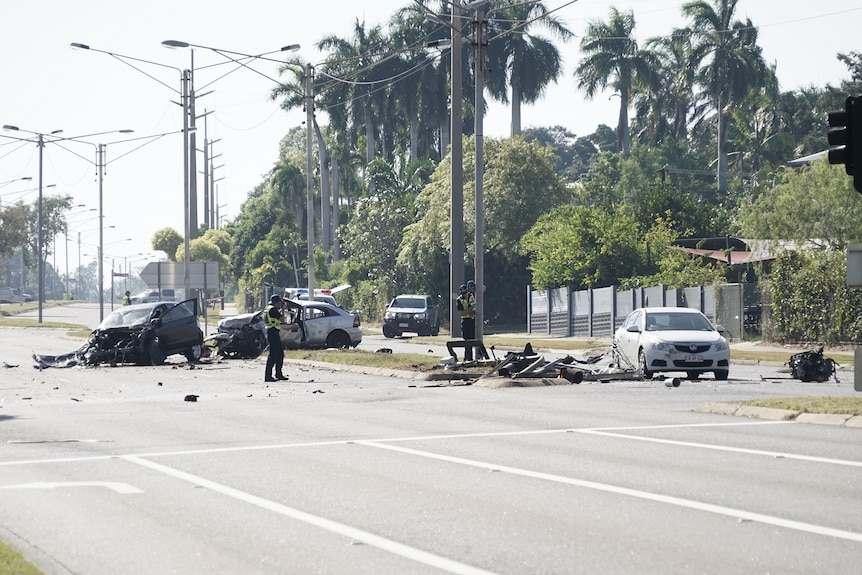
(664, 110)
(612, 58)
(420, 94)
(524, 62)
(354, 63)
(730, 63)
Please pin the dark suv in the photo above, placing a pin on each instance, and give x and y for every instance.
(414, 313)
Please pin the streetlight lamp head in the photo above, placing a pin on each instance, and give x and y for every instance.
(8, 127)
(290, 48)
(175, 44)
(126, 131)
(78, 46)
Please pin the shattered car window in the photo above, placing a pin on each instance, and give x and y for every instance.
(126, 317)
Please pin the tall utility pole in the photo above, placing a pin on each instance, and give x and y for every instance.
(480, 45)
(309, 181)
(456, 231)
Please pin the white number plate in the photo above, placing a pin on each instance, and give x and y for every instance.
(694, 358)
(403, 324)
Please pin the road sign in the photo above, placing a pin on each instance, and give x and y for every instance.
(159, 275)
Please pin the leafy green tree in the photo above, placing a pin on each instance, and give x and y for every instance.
(374, 232)
(582, 247)
(612, 58)
(815, 205)
(519, 186)
(669, 266)
(811, 301)
(524, 62)
(220, 238)
(13, 229)
(167, 240)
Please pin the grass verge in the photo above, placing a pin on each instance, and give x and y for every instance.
(826, 404)
(13, 563)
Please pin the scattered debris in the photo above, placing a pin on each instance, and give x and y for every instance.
(9, 365)
(383, 350)
(191, 397)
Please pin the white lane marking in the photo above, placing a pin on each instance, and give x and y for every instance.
(123, 488)
(780, 454)
(678, 501)
(382, 543)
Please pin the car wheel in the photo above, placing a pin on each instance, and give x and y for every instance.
(721, 373)
(154, 352)
(643, 365)
(436, 331)
(338, 340)
(193, 354)
(692, 374)
(389, 331)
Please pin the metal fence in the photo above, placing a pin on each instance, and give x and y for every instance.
(599, 312)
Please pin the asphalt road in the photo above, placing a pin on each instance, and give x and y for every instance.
(110, 470)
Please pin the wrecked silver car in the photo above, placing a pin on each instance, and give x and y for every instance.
(239, 337)
(141, 334)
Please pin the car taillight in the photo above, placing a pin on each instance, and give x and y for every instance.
(356, 321)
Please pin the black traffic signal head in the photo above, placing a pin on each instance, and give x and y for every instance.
(845, 139)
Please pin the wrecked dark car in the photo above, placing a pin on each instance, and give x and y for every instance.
(141, 334)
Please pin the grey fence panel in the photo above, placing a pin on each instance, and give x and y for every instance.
(602, 323)
(693, 297)
(653, 296)
(581, 311)
(559, 311)
(626, 302)
(539, 321)
(729, 306)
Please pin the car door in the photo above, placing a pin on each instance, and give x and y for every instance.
(316, 323)
(628, 336)
(178, 326)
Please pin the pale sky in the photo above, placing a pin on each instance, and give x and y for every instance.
(48, 86)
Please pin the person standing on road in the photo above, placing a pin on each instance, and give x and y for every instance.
(275, 358)
(467, 310)
(127, 299)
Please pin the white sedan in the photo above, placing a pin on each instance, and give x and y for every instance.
(665, 339)
(319, 325)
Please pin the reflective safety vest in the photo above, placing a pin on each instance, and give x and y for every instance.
(272, 322)
(467, 306)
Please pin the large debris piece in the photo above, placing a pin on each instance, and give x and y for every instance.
(812, 366)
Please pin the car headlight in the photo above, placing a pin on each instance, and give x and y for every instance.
(389, 315)
(721, 346)
(662, 346)
(422, 315)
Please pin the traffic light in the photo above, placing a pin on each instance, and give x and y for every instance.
(845, 139)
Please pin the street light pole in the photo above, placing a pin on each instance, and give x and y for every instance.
(308, 76)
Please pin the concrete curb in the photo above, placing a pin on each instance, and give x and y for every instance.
(842, 420)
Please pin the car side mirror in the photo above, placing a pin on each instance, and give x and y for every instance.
(720, 329)
(633, 329)
(156, 322)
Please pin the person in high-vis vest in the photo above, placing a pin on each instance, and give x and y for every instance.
(127, 298)
(467, 311)
(274, 317)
